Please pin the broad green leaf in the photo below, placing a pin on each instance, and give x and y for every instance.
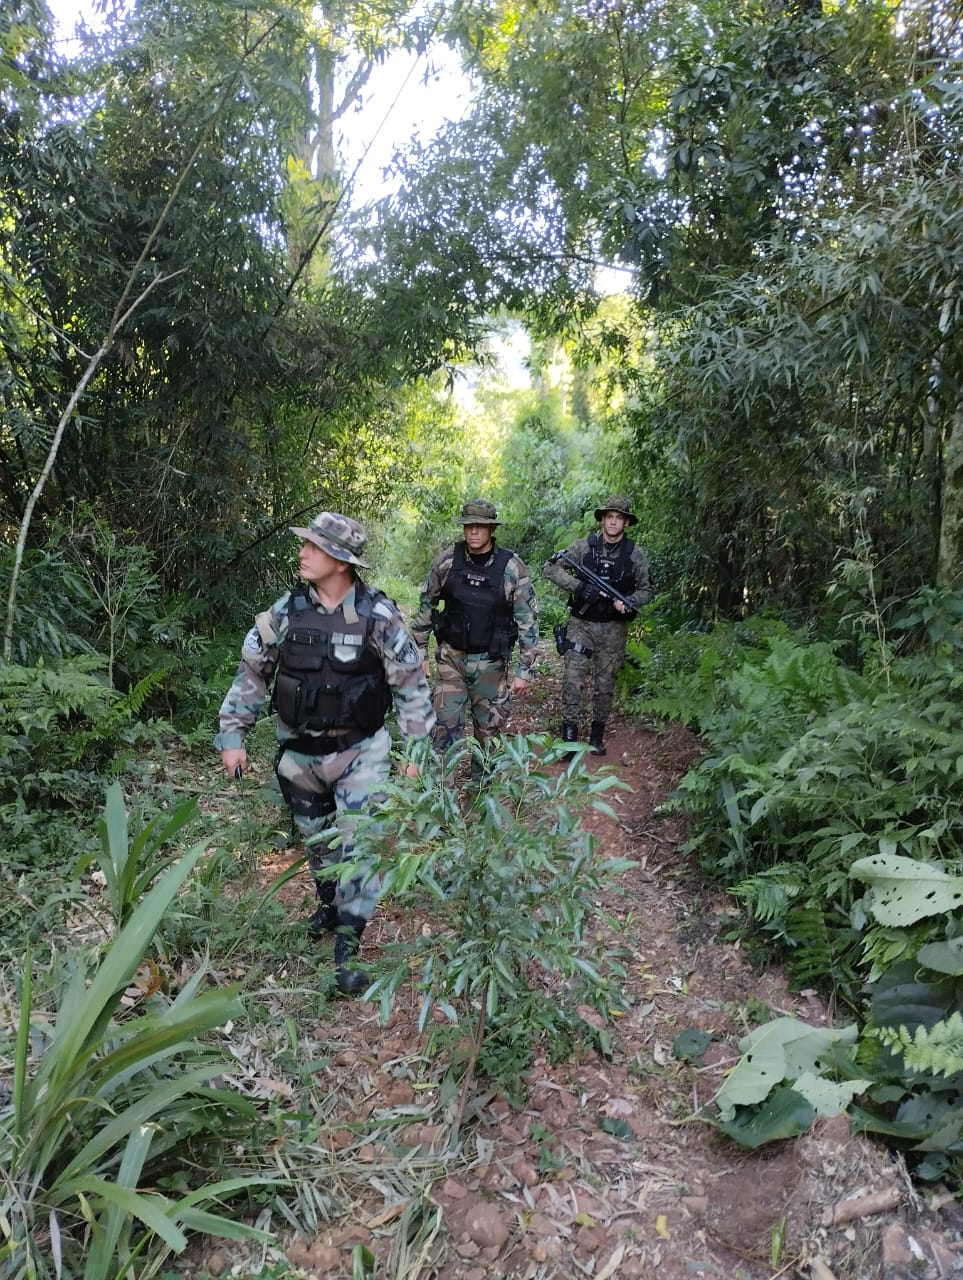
(900, 999)
(903, 890)
(690, 1045)
(105, 1240)
(152, 1210)
(618, 1128)
(77, 1021)
(761, 1067)
(786, 1114)
(814, 1049)
(827, 1097)
(943, 957)
(781, 1049)
(215, 1224)
(127, 1122)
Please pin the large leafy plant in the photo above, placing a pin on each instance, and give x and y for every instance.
(901, 1074)
(110, 1105)
(129, 865)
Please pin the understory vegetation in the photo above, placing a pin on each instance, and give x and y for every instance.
(829, 800)
(207, 336)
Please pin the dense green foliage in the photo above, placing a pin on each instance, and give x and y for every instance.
(203, 343)
(830, 800)
(779, 183)
(111, 1097)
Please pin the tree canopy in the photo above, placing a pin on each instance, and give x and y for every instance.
(776, 182)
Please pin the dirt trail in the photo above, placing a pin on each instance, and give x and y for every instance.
(602, 1172)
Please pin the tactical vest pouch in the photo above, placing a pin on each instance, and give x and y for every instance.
(502, 643)
(301, 704)
(288, 698)
(452, 627)
(302, 697)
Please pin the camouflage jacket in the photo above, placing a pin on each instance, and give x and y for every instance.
(259, 659)
(519, 593)
(580, 551)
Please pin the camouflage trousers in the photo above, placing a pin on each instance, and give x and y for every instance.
(469, 683)
(325, 790)
(607, 641)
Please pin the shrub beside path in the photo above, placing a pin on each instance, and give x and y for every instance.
(601, 1170)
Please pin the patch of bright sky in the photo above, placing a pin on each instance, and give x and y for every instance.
(409, 97)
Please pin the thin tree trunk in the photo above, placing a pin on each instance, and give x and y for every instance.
(472, 1062)
(949, 569)
(122, 313)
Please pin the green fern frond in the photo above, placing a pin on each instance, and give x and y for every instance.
(814, 673)
(114, 719)
(768, 894)
(938, 1050)
(823, 944)
(812, 960)
(884, 947)
(33, 697)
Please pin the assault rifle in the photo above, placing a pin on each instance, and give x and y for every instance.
(592, 579)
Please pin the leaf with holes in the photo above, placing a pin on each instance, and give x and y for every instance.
(781, 1049)
(903, 890)
(827, 1097)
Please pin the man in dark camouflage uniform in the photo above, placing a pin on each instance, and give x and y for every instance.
(598, 629)
(489, 603)
(337, 654)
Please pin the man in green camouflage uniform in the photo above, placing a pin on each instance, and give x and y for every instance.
(597, 630)
(337, 654)
(489, 603)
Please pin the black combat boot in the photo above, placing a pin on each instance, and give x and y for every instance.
(325, 919)
(350, 981)
(595, 738)
(569, 731)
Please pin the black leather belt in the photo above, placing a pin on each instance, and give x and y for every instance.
(326, 744)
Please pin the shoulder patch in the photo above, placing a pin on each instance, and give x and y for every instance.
(253, 642)
(410, 654)
(264, 627)
(383, 609)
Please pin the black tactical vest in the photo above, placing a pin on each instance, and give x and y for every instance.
(477, 618)
(617, 572)
(329, 678)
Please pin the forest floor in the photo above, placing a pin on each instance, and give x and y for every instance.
(602, 1170)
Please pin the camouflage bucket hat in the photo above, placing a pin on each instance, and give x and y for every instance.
(478, 511)
(338, 535)
(619, 503)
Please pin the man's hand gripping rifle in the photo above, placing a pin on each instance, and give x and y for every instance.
(596, 584)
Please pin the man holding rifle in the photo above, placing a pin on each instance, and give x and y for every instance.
(607, 578)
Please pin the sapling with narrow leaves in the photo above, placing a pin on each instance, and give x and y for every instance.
(517, 886)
